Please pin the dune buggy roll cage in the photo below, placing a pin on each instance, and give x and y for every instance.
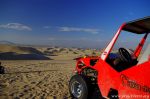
(140, 26)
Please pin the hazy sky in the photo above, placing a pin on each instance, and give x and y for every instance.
(78, 23)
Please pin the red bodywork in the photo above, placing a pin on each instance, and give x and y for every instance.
(133, 82)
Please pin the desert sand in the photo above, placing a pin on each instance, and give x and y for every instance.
(40, 79)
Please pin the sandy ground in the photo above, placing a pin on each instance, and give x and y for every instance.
(39, 80)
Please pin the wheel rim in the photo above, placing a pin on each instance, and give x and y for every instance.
(76, 89)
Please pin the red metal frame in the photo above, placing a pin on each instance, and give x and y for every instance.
(133, 82)
(140, 46)
(111, 44)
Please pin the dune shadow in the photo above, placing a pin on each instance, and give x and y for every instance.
(15, 56)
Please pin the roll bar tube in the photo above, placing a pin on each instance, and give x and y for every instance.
(140, 46)
(108, 49)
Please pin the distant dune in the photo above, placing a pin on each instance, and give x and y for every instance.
(20, 52)
(7, 42)
(15, 56)
(12, 52)
(18, 49)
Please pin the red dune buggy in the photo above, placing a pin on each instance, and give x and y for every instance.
(124, 75)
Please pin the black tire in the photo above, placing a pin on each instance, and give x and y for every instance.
(76, 91)
(2, 70)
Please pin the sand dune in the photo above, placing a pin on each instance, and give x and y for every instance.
(38, 79)
(9, 52)
(15, 56)
(18, 49)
